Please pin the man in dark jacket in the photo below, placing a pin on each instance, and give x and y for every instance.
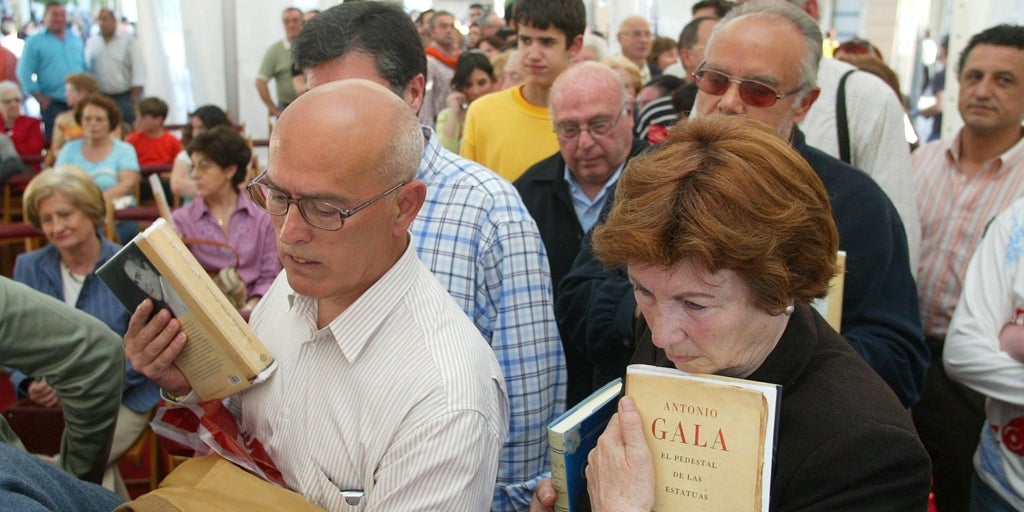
(565, 193)
(766, 69)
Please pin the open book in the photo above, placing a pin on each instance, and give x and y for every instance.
(222, 355)
(711, 438)
(571, 437)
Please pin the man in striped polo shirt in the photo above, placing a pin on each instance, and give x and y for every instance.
(962, 184)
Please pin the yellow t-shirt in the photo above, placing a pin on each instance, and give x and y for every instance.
(507, 134)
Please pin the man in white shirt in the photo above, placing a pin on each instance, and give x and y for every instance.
(635, 40)
(384, 388)
(117, 64)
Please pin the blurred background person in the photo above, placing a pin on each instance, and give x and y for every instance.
(663, 54)
(204, 118)
(594, 48)
(25, 132)
(76, 87)
(474, 77)
(629, 72)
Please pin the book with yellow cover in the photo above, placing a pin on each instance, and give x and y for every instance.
(222, 355)
(711, 438)
(830, 307)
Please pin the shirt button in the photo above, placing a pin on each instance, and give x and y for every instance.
(287, 414)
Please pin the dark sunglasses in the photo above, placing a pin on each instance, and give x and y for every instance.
(752, 92)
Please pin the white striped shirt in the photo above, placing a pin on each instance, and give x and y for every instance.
(954, 210)
(398, 397)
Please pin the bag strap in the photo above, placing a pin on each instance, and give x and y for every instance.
(217, 243)
(842, 124)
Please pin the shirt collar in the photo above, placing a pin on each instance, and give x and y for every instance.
(353, 329)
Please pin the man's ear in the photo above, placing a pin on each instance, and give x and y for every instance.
(577, 44)
(806, 100)
(410, 199)
(414, 91)
(812, 9)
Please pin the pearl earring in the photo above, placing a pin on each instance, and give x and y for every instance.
(790, 309)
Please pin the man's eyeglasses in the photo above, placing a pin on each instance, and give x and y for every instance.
(596, 128)
(752, 92)
(317, 212)
(637, 34)
(11, 100)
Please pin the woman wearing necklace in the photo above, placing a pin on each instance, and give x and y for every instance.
(221, 213)
(67, 206)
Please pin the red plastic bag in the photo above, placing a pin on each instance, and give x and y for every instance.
(208, 427)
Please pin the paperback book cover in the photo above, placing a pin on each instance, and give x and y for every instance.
(222, 355)
(712, 438)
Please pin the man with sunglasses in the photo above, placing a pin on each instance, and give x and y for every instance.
(761, 62)
(593, 120)
(385, 394)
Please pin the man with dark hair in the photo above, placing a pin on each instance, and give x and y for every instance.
(473, 232)
(277, 65)
(692, 40)
(962, 184)
(442, 54)
(711, 8)
(510, 130)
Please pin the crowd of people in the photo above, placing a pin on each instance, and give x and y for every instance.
(490, 227)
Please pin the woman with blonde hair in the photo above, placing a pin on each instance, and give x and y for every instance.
(629, 72)
(67, 205)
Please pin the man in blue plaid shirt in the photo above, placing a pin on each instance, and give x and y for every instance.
(473, 232)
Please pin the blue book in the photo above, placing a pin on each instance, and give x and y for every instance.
(571, 437)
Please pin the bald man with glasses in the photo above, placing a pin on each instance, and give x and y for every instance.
(592, 117)
(761, 62)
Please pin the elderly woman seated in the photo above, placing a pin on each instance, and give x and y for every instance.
(67, 205)
(727, 235)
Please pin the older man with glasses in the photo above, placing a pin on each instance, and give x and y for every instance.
(761, 62)
(593, 121)
(386, 397)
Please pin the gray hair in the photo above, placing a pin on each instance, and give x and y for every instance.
(7, 86)
(790, 14)
(598, 43)
(405, 149)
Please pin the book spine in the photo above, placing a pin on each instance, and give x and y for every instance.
(559, 479)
